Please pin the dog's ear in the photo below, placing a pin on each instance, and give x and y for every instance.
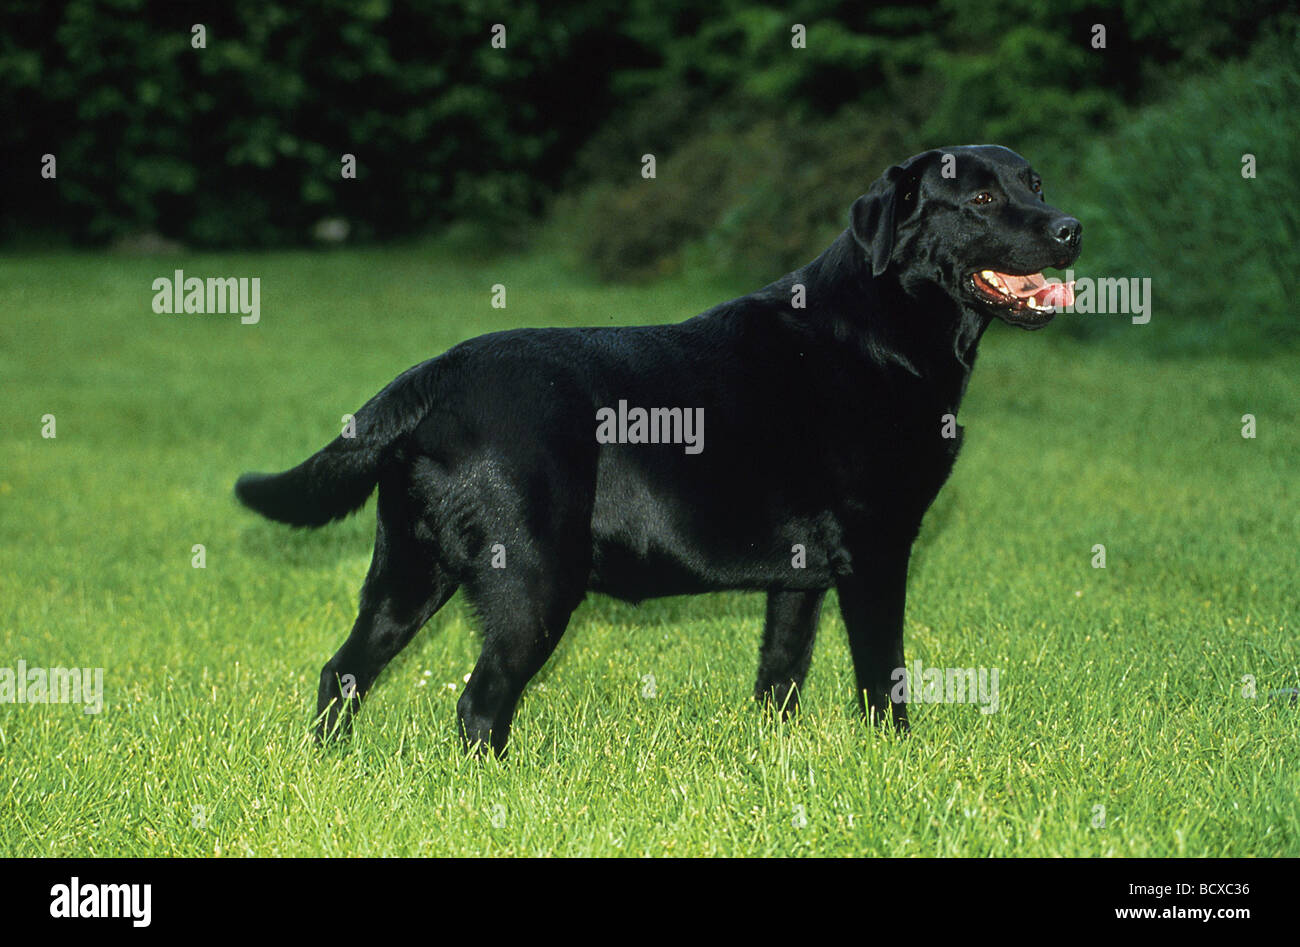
(889, 201)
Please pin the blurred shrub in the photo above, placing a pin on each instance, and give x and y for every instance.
(749, 203)
(761, 148)
(1164, 197)
(760, 145)
(240, 142)
(792, 196)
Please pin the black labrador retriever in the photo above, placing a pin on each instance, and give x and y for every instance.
(530, 466)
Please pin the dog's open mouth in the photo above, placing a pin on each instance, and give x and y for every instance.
(1022, 292)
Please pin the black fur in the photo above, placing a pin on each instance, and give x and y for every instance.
(822, 431)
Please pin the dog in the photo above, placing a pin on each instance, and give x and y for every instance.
(788, 442)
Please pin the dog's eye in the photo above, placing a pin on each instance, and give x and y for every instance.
(1036, 186)
(983, 197)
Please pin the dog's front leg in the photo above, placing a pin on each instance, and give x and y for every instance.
(871, 601)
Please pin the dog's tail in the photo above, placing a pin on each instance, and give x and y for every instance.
(339, 478)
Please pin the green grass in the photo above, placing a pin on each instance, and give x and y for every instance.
(1119, 687)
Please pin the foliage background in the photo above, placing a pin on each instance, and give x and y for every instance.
(760, 147)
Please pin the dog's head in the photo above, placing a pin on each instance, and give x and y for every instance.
(973, 220)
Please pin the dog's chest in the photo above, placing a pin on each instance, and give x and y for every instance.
(903, 464)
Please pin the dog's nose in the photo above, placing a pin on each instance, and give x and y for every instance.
(1066, 231)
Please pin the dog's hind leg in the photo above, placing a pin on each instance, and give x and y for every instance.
(523, 616)
(405, 586)
(788, 636)
(523, 600)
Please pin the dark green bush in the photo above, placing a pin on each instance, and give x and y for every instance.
(762, 148)
(240, 142)
(1164, 197)
(750, 192)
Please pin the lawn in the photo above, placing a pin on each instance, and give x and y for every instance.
(1125, 724)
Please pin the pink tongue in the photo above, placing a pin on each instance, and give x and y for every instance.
(1056, 294)
(1035, 287)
